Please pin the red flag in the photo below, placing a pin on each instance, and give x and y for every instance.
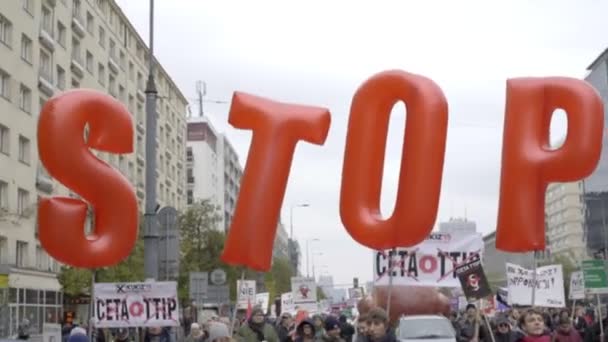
(249, 309)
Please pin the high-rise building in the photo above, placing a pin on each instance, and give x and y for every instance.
(564, 212)
(595, 187)
(461, 225)
(48, 46)
(213, 169)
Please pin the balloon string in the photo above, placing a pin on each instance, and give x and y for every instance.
(236, 304)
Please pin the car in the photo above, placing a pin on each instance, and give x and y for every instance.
(425, 328)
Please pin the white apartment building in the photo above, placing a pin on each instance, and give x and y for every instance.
(47, 46)
(564, 210)
(202, 168)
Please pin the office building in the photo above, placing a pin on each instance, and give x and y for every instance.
(564, 212)
(48, 46)
(458, 225)
(595, 187)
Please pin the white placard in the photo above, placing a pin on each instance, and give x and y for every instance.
(51, 332)
(577, 286)
(549, 286)
(304, 290)
(147, 304)
(246, 293)
(262, 300)
(430, 263)
(287, 303)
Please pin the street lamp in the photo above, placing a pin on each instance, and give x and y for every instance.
(301, 205)
(307, 253)
(313, 263)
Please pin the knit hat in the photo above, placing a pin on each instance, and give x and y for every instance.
(78, 338)
(217, 330)
(331, 323)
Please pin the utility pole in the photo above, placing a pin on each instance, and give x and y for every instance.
(150, 224)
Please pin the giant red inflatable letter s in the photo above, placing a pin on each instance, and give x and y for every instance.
(65, 154)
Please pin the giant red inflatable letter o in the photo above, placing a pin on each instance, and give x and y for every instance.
(528, 165)
(277, 127)
(66, 156)
(421, 161)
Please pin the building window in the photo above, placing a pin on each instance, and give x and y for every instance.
(5, 85)
(26, 48)
(112, 49)
(102, 37)
(75, 83)
(25, 99)
(76, 54)
(60, 78)
(90, 23)
(24, 150)
(6, 31)
(112, 85)
(46, 65)
(23, 201)
(47, 20)
(76, 9)
(4, 139)
(61, 34)
(89, 62)
(3, 195)
(101, 74)
(21, 254)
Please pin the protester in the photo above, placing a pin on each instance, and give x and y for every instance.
(532, 323)
(378, 325)
(256, 329)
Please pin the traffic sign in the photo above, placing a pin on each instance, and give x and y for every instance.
(594, 275)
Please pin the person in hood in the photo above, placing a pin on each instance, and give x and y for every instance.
(346, 329)
(285, 327)
(504, 333)
(565, 332)
(379, 327)
(332, 330)
(256, 329)
(532, 322)
(305, 332)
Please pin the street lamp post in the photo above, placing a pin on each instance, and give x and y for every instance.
(307, 255)
(313, 264)
(301, 205)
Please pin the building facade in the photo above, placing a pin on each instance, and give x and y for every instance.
(494, 261)
(564, 211)
(595, 187)
(462, 225)
(46, 47)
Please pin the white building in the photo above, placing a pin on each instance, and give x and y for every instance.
(231, 171)
(458, 225)
(47, 46)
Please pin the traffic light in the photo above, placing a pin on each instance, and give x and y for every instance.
(355, 282)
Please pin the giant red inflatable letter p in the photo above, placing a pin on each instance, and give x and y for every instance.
(528, 164)
(65, 154)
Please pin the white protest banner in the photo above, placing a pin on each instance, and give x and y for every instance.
(51, 332)
(304, 292)
(549, 286)
(430, 263)
(146, 304)
(287, 303)
(262, 300)
(577, 286)
(246, 293)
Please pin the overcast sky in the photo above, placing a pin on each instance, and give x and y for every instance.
(319, 52)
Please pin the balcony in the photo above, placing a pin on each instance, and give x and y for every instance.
(112, 64)
(43, 181)
(77, 24)
(77, 66)
(190, 180)
(141, 160)
(45, 82)
(141, 95)
(46, 38)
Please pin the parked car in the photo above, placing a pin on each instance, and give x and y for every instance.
(425, 328)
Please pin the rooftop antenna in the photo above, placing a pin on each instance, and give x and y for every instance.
(201, 91)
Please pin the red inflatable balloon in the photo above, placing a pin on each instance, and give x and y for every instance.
(421, 161)
(407, 300)
(528, 164)
(65, 154)
(277, 128)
